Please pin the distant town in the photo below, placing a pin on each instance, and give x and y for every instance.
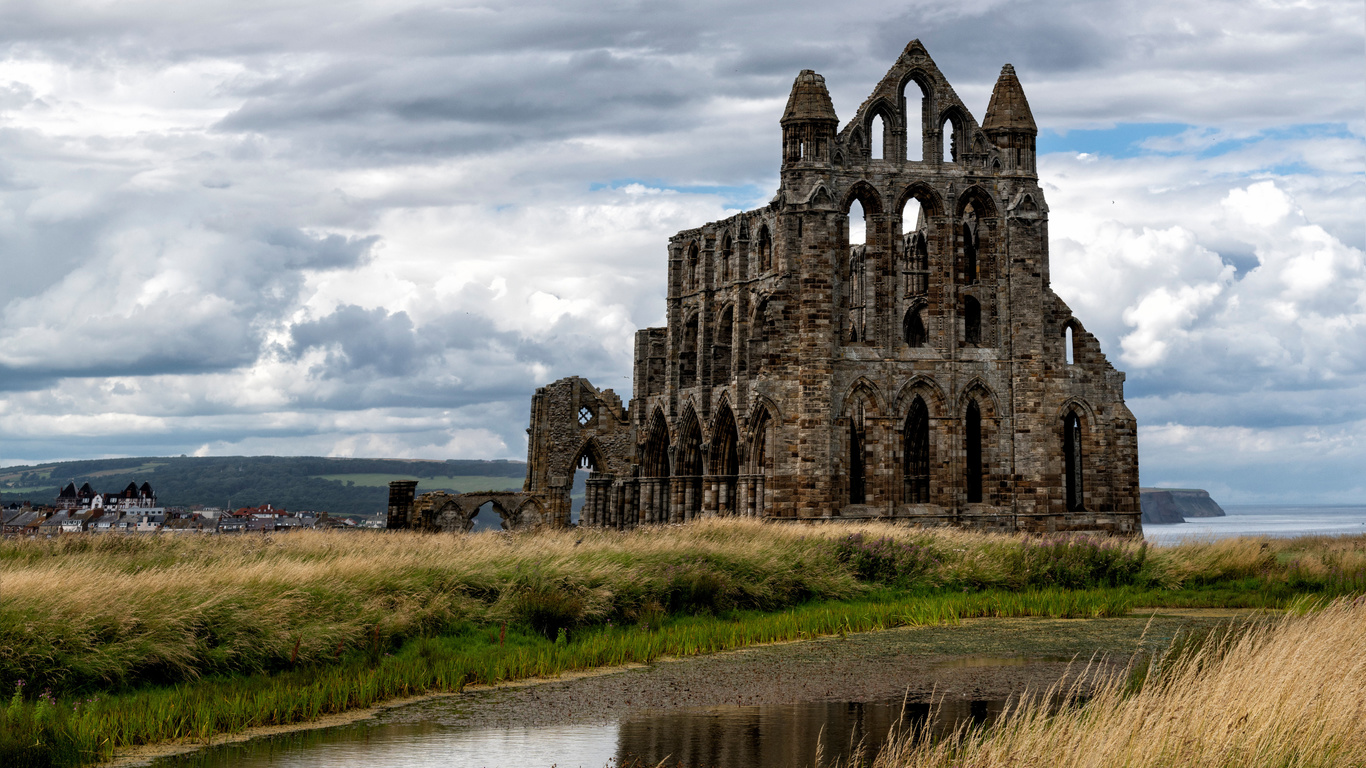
(135, 510)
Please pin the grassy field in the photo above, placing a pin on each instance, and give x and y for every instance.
(125, 640)
(457, 483)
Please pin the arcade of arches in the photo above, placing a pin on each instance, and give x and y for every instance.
(879, 341)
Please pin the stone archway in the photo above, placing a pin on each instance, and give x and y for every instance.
(440, 511)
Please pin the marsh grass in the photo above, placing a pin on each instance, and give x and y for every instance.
(468, 655)
(183, 637)
(1290, 692)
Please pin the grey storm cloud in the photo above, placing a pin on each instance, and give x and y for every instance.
(355, 226)
(380, 358)
(358, 338)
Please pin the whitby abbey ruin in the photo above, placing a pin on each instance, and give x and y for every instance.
(927, 374)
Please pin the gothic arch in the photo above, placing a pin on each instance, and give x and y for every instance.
(1071, 340)
(760, 440)
(1082, 409)
(591, 451)
(917, 451)
(762, 254)
(655, 460)
(915, 331)
(688, 457)
(725, 256)
(722, 403)
(856, 143)
(867, 196)
(884, 108)
(531, 510)
(820, 195)
(724, 456)
(955, 114)
(982, 202)
(924, 80)
(978, 390)
(930, 201)
(692, 259)
(927, 388)
(761, 404)
(873, 393)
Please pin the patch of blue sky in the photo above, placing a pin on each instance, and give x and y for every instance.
(734, 196)
(1127, 140)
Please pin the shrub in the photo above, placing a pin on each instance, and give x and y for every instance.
(1073, 562)
(886, 560)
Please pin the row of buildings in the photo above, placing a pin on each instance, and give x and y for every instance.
(135, 510)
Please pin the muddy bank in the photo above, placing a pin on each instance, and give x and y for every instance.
(980, 659)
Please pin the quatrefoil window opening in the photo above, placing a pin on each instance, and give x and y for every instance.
(585, 415)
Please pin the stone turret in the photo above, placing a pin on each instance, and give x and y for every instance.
(1009, 123)
(809, 121)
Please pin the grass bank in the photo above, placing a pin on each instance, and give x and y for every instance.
(1284, 693)
(125, 640)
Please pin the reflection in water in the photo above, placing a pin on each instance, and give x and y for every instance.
(781, 736)
(777, 736)
(416, 746)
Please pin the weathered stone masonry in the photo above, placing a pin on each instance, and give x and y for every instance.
(929, 375)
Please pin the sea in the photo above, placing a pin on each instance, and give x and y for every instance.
(1264, 520)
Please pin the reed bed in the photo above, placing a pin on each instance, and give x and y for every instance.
(48, 732)
(83, 614)
(1286, 693)
(108, 641)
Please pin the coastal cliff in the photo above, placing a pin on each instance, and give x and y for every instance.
(1163, 506)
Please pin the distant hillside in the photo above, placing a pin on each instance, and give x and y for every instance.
(338, 486)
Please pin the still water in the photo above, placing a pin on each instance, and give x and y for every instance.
(1276, 521)
(769, 736)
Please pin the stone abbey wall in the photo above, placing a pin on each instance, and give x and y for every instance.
(928, 374)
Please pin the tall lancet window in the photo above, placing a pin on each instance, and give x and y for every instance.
(858, 481)
(972, 320)
(973, 444)
(916, 470)
(971, 241)
(1071, 448)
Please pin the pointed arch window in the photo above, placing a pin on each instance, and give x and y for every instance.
(972, 429)
(1072, 460)
(950, 138)
(725, 462)
(1069, 348)
(913, 327)
(916, 454)
(721, 349)
(726, 256)
(971, 272)
(915, 248)
(913, 98)
(765, 250)
(687, 358)
(877, 138)
(858, 476)
(972, 321)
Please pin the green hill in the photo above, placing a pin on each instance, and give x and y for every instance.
(337, 486)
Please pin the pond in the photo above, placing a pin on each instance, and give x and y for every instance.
(774, 706)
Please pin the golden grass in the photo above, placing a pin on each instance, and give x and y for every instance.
(85, 612)
(1285, 693)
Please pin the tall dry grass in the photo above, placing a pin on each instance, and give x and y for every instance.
(82, 613)
(1287, 693)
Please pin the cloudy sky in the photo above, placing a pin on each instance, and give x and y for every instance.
(372, 229)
